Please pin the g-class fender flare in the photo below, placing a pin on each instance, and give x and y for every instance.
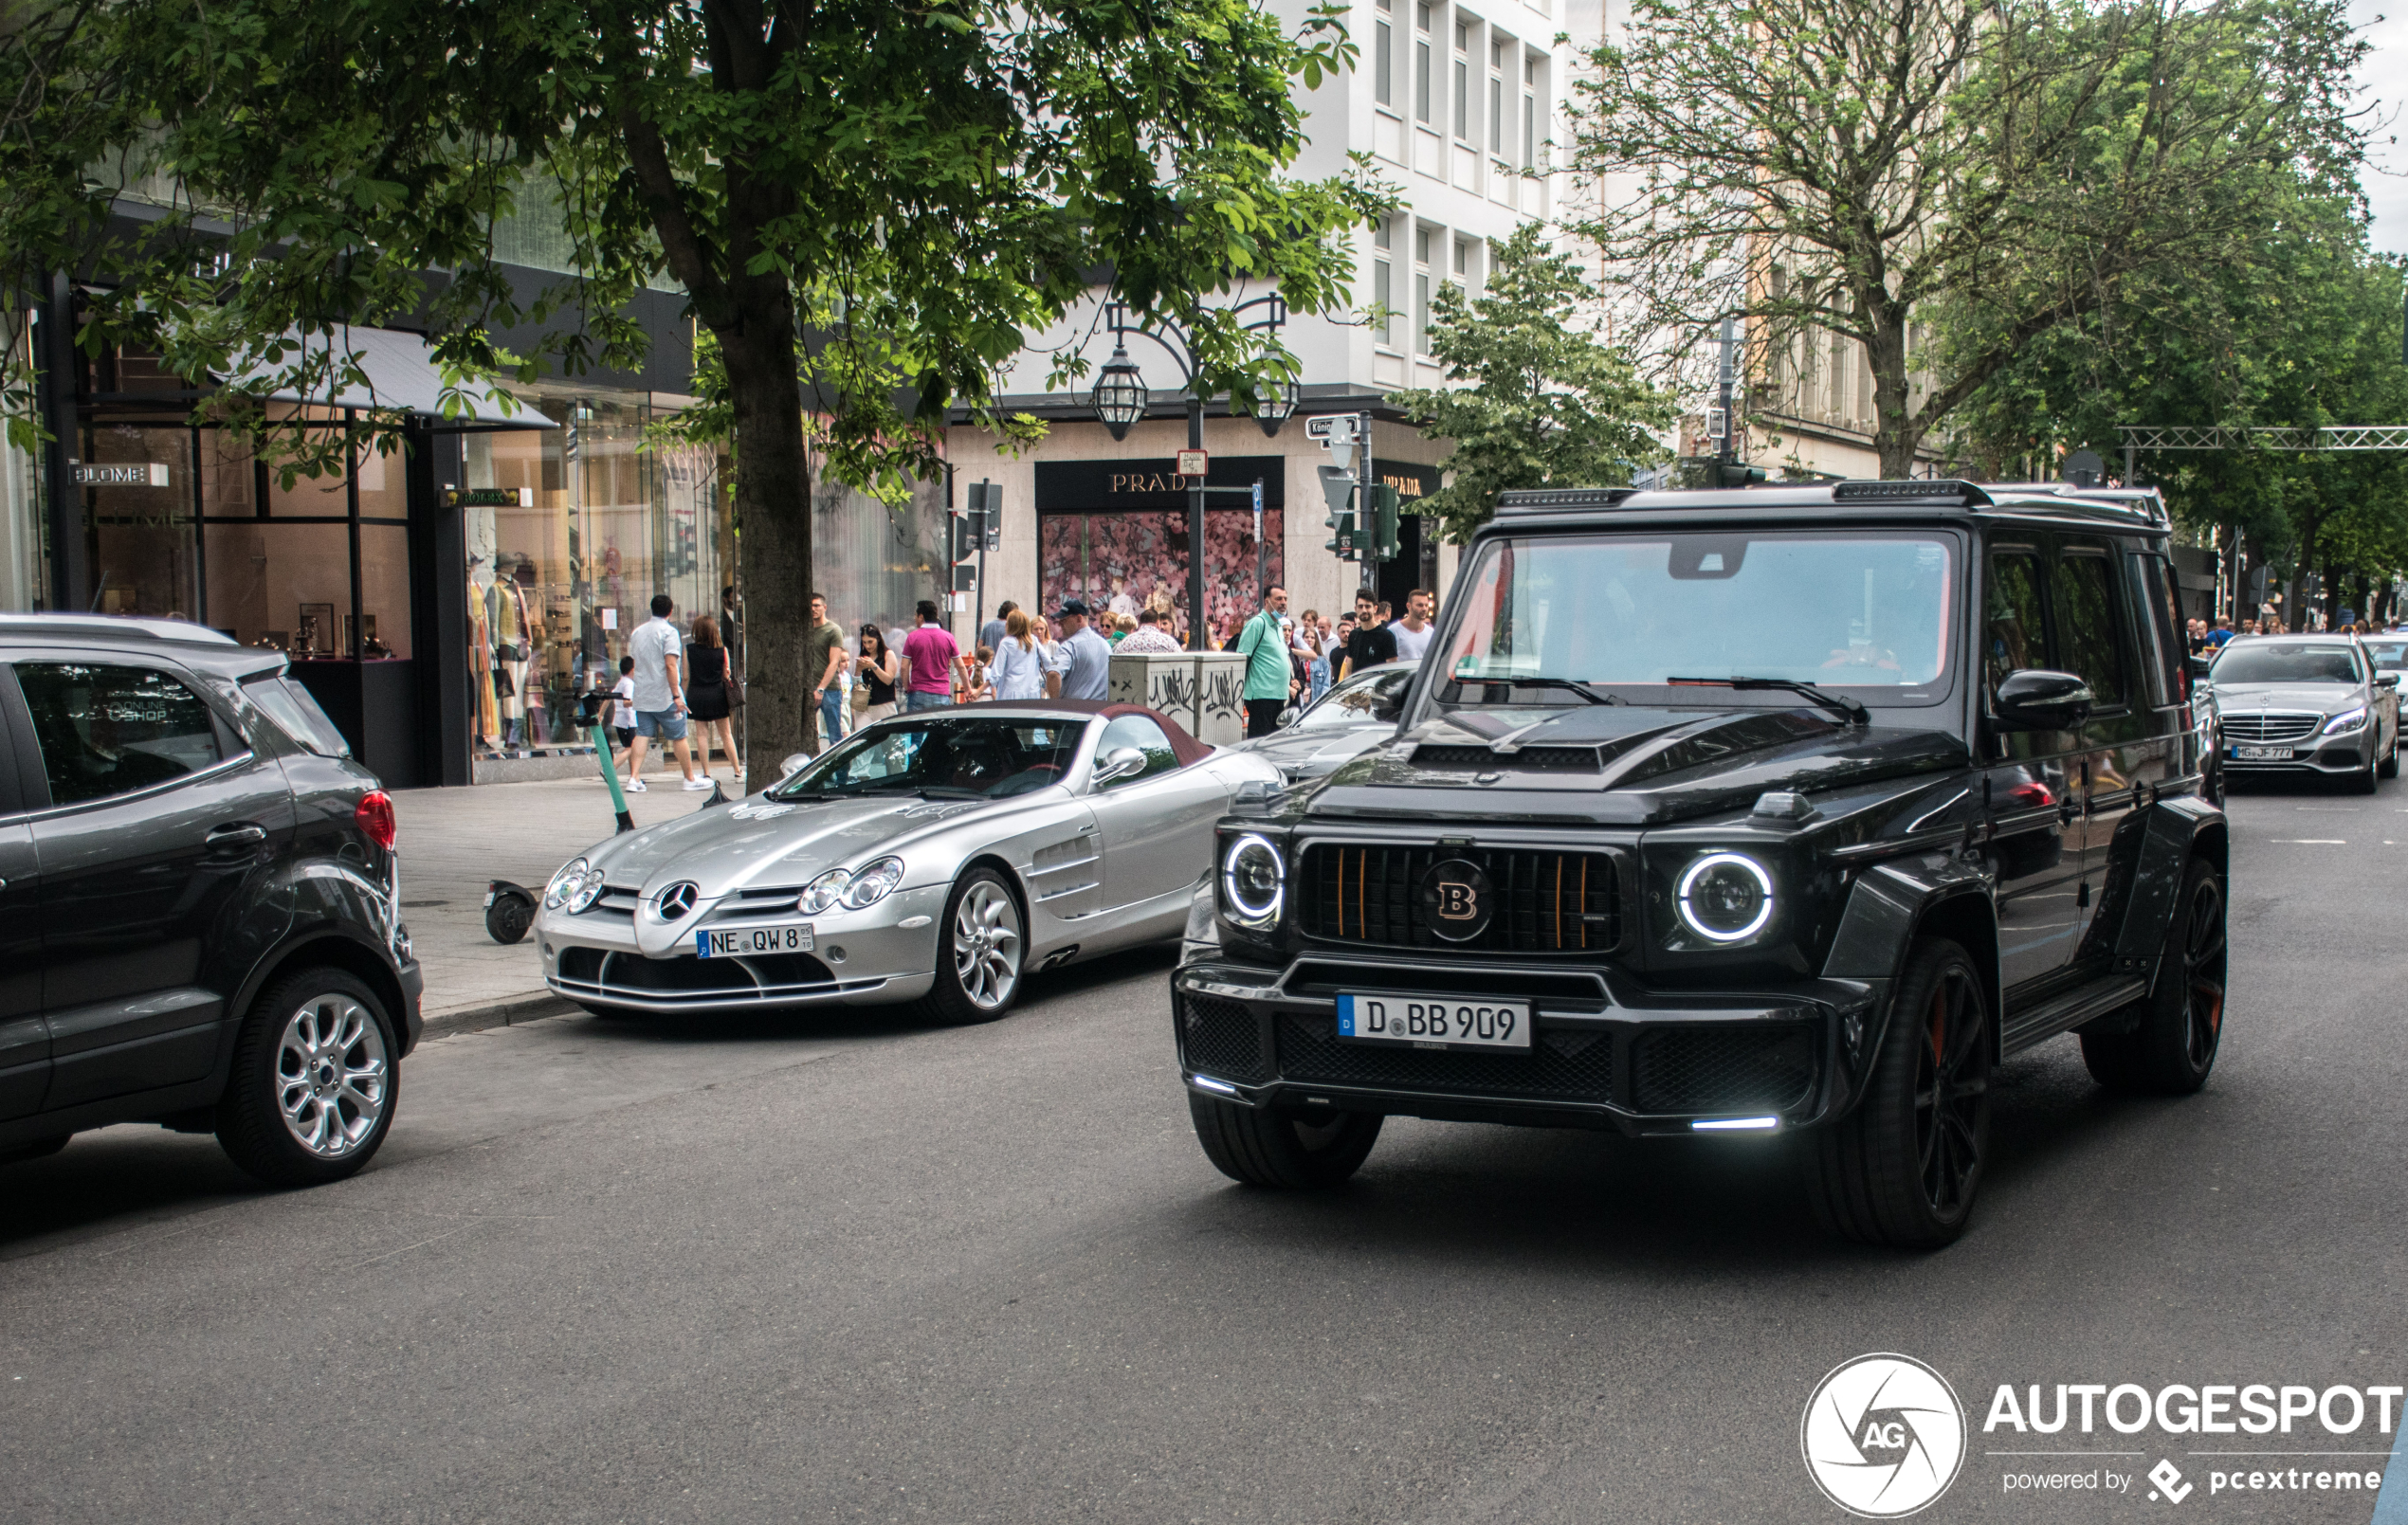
(2178, 830)
(1888, 907)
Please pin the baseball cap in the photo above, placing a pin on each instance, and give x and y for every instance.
(1070, 607)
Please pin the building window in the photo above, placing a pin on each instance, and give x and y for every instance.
(1382, 59)
(1463, 263)
(1530, 114)
(1422, 109)
(1421, 290)
(1496, 100)
(1382, 296)
(1463, 81)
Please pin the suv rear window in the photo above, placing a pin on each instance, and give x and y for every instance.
(297, 715)
(107, 730)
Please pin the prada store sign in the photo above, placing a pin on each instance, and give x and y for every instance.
(1410, 480)
(1069, 486)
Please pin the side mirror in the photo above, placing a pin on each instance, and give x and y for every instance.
(2039, 699)
(2199, 666)
(1121, 762)
(2386, 680)
(794, 764)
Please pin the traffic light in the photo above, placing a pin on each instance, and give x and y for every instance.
(1386, 509)
(963, 543)
(986, 516)
(1739, 476)
(1337, 487)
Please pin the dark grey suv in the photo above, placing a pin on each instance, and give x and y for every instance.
(199, 913)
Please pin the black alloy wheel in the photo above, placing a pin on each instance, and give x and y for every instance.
(1257, 1146)
(2389, 768)
(2172, 1046)
(2361, 780)
(1904, 1167)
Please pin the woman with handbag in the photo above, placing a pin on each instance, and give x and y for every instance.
(707, 700)
(874, 691)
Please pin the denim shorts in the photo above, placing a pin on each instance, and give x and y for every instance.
(666, 725)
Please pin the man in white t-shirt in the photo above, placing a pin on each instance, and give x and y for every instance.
(1413, 632)
(660, 695)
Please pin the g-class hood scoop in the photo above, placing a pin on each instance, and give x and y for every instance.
(1632, 764)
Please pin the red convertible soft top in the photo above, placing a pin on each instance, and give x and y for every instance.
(1186, 748)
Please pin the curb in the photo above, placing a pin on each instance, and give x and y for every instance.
(533, 1007)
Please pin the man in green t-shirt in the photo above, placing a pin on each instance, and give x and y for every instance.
(823, 669)
(1269, 681)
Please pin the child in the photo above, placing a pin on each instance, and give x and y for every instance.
(623, 711)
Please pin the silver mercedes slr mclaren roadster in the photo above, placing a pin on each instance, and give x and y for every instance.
(936, 856)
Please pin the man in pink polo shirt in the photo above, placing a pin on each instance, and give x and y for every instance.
(930, 649)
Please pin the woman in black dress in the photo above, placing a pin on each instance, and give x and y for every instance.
(706, 695)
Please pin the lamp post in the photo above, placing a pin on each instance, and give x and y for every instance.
(1120, 399)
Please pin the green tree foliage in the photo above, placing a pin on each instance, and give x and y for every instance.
(1847, 166)
(866, 204)
(1535, 398)
(2305, 333)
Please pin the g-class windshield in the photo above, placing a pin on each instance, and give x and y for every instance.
(1543, 619)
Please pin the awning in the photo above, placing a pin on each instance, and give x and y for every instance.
(401, 373)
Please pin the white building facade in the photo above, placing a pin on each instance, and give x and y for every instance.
(1459, 104)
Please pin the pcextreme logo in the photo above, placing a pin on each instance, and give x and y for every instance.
(1882, 1436)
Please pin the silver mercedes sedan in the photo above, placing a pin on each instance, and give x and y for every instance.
(936, 857)
(2307, 705)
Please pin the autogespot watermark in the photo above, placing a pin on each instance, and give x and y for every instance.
(1884, 1436)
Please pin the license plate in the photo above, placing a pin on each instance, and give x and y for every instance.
(2262, 754)
(786, 938)
(1421, 1022)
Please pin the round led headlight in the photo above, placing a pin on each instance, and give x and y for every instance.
(1253, 882)
(587, 887)
(824, 892)
(564, 883)
(872, 884)
(1725, 897)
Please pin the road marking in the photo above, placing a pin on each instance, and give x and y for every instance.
(2309, 842)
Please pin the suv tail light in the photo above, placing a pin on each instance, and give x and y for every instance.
(375, 817)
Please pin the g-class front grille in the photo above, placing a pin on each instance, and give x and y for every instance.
(1547, 901)
(1561, 1062)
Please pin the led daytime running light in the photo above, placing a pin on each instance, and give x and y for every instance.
(1248, 906)
(1698, 870)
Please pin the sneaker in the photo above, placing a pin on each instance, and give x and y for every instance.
(635, 786)
(697, 785)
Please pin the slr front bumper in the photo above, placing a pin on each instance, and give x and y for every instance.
(1626, 1058)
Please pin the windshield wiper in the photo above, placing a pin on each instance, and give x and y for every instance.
(1837, 704)
(1595, 696)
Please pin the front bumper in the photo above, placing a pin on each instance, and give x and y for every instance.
(868, 957)
(2313, 754)
(1623, 1057)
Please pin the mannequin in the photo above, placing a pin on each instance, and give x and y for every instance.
(509, 648)
(528, 606)
(481, 659)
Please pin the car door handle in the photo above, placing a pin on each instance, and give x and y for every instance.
(242, 835)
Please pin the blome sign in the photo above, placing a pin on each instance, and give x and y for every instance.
(1884, 1436)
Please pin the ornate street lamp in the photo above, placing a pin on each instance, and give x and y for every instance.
(1275, 410)
(1119, 396)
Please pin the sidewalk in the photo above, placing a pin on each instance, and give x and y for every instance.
(453, 841)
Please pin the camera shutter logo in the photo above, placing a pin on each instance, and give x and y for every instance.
(1456, 899)
(1884, 1436)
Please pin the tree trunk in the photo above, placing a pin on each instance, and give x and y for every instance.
(1895, 436)
(772, 506)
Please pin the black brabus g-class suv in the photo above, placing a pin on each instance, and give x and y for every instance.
(1752, 811)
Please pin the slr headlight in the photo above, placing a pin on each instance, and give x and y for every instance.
(2350, 719)
(1726, 897)
(871, 884)
(824, 892)
(1253, 882)
(564, 883)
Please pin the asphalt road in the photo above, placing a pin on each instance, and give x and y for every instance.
(862, 1270)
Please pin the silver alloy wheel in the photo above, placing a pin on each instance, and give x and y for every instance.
(986, 945)
(330, 1075)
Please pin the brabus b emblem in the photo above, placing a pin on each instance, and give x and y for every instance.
(1455, 899)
